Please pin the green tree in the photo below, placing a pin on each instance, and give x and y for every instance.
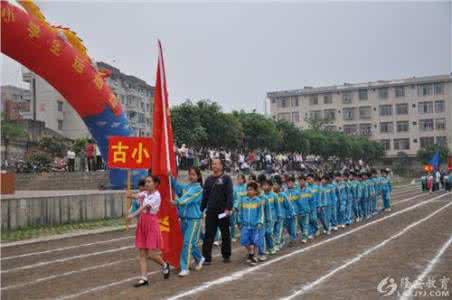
(79, 145)
(426, 153)
(52, 145)
(259, 132)
(292, 138)
(10, 130)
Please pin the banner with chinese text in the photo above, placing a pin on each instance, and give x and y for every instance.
(129, 152)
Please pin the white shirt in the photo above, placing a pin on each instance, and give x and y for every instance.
(153, 201)
(70, 154)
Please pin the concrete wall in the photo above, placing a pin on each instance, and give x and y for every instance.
(19, 212)
(61, 181)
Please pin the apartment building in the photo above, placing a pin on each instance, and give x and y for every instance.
(403, 115)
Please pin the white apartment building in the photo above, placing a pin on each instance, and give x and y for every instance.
(49, 106)
(403, 115)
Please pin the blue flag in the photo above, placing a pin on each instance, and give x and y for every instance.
(435, 161)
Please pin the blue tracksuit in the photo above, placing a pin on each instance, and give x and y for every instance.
(333, 204)
(364, 198)
(189, 210)
(372, 196)
(268, 223)
(239, 192)
(313, 206)
(342, 197)
(294, 198)
(273, 209)
(351, 186)
(287, 217)
(386, 190)
(324, 206)
(304, 210)
(251, 219)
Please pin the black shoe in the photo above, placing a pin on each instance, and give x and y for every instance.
(227, 260)
(166, 271)
(141, 282)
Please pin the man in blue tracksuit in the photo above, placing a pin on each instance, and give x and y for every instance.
(239, 192)
(251, 220)
(314, 188)
(342, 196)
(286, 215)
(324, 209)
(188, 206)
(386, 190)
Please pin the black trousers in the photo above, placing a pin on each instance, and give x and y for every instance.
(212, 224)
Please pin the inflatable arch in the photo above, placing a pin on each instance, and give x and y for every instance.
(59, 56)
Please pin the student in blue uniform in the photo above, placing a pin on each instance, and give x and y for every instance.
(386, 190)
(351, 187)
(251, 220)
(324, 209)
(239, 192)
(293, 193)
(313, 185)
(342, 197)
(189, 208)
(286, 217)
(272, 207)
(304, 209)
(333, 203)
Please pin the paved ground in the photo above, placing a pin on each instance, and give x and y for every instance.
(411, 241)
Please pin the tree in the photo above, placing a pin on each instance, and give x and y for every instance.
(317, 124)
(10, 131)
(52, 145)
(292, 138)
(79, 145)
(426, 153)
(259, 132)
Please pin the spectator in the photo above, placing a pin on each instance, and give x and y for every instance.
(70, 160)
(90, 153)
(99, 162)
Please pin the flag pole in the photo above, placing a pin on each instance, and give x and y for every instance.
(165, 122)
(129, 183)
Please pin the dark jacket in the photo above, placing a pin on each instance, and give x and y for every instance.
(218, 194)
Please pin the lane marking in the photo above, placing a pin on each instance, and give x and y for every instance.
(67, 248)
(239, 274)
(307, 287)
(60, 260)
(407, 294)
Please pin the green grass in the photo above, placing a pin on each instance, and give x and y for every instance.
(42, 231)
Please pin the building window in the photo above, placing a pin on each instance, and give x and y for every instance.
(400, 91)
(315, 115)
(365, 112)
(402, 109)
(424, 90)
(349, 114)
(425, 141)
(403, 126)
(347, 97)
(273, 100)
(440, 106)
(383, 93)
(363, 95)
(330, 128)
(60, 124)
(401, 144)
(386, 144)
(313, 100)
(295, 101)
(60, 105)
(284, 116)
(296, 117)
(385, 110)
(439, 88)
(440, 124)
(386, 127)
(350, 129)
(328, 99)
(426, 125)
(441, 140)
(365, 129)
(425, 107)
(329, 114)
(282, 102)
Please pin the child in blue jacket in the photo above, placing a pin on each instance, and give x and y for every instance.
(188, 206)
(386, 190)
(239, 192)
(286, 217)
(251, 220)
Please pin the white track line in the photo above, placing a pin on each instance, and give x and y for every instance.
(27, 283)
(307, 287)
(239, 274)
(67, 248)
(407, 294)
(44, 263)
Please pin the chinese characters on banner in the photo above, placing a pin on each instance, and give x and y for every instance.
(129, 152)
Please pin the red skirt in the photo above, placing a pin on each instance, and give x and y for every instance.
(147, 233)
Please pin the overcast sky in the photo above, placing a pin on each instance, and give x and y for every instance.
(235, 52)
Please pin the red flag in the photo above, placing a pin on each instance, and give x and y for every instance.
(164, 162)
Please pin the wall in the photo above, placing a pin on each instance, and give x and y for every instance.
(62, 181)
(19, 212)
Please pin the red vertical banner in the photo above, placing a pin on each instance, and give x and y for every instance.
(164, 163)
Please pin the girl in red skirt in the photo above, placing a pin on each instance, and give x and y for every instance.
(148, 239)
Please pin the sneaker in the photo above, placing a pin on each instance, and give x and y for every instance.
(388, 209)
(200, 264)
(226, 260)
(253, 260)
(141, 282)
(311, 237)
(262, 258)
(317, 233)
(304, 241)
(328, 232)
(184, 273)
(343, 226)
(249, 259)
(324, 232)
(335, 228)
(272, 252)
(217, 243)
(166, 271)
(234, 240)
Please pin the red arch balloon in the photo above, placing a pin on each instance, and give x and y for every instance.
(47, 52)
